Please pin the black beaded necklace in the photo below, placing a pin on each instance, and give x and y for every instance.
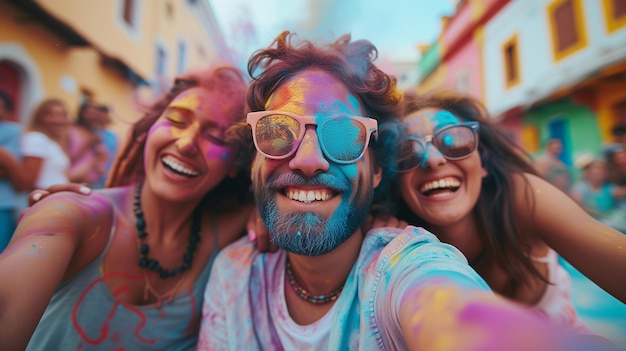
(153, 264)
(307, 296)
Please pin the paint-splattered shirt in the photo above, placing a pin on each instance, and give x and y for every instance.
(238, 302)
(85, 315)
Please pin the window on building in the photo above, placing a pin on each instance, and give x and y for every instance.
(615, 13)
(566, 33)
(619, 8)
(11, 85)
(128, 12)
(182, 57)
(169, 10)
(511, 66)
(161, 82)
(566, 19)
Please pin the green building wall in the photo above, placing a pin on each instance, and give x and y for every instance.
(581, 134)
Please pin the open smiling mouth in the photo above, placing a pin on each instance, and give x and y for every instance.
(440, 186)
(308, 195)
(178, 168)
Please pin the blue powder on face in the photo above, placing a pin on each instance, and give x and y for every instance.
(350, 170)
(443, 118)
(310, 219)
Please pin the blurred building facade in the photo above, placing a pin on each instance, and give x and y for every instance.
(115, 52)
(545, 68)
(455, 60)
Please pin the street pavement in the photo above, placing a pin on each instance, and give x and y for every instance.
(602, 313)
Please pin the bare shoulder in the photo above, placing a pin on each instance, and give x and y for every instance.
(67, 214)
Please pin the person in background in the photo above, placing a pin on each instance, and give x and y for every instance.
(125, 267)
(10, 137)
(324, 133)
(593, 190)
(619, 134)
(462, 179)
(615, 156)
(44, 161)
(109, 139)
(550, 167)
(87, 152)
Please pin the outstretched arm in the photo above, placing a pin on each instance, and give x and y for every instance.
(595, 249)
(42, 251)
(444, 314)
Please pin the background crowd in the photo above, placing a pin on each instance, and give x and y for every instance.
(55, 147)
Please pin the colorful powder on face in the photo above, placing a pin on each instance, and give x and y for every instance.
(187, 101)
(351, 171)
(291, 97)
(443, 118)
(217, 152)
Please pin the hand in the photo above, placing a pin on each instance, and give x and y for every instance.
(257, 232)
(38, 194)
(379, 220)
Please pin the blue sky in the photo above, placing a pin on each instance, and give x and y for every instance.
(394, 26)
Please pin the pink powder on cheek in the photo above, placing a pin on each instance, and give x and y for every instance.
(218, 152)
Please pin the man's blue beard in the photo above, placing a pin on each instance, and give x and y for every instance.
(308, 234)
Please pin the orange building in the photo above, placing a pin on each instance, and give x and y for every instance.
(114, 52)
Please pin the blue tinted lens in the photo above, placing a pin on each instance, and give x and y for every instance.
(343, 138)
(455, 142)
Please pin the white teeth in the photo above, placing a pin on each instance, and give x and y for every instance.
(175, 165)
(444, 183)
(308, 196)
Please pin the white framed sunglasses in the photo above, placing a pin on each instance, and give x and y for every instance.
(454, 142)
(343, 139)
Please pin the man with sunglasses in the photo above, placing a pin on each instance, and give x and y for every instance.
(324, 137)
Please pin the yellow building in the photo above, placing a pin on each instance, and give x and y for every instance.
(115, 52)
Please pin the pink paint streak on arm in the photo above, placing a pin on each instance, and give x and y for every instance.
(439, 315)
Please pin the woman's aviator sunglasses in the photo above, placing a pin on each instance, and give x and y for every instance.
(454, 142)
(343, 139)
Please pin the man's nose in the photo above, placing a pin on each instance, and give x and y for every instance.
(309, 158)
